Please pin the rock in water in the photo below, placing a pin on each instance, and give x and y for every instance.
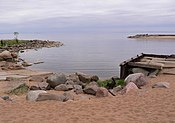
(138, 78)
(161, 85)
(33, 95)
(56, 79)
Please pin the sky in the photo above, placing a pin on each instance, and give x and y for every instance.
(30, 16)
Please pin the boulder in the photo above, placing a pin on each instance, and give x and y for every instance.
(78, 89)
(84, 78)
(140, 70)
(102, 92)
(6, 55)
(94, 78)
(47, 96)
(63, 87)
(62, 97)
(87, 78)
(6, 98)
(26, 64)
(33, 95)
(68, 96)
(138, 78)
(44, 86)
(91, 89)
(69, 82)
(73, 77)
(161, 85)
(56, 79)
(115, 90)
(130, 86)
(33, 87)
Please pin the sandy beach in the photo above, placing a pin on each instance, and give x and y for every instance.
(146, 105)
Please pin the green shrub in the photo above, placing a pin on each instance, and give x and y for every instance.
(106, 83)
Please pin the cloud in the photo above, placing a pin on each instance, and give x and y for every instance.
(85, 13)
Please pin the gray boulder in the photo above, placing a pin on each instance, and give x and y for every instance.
(102, 92)
(6, 98)
(161, 85)
(87, 78)
(115, 90)
(33, 95)
(63, 87)
(94, 78)
(56, 79)
(73, 77)
(63, 97)
(68, 96)
(69, 82)
(138, 78)
(47, 96)
(91, 89)
(78, 89)
(140, 70)
(26, 64)
(44, 86)
(33, 87)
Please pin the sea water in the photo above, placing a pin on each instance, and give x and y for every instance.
(92, 53)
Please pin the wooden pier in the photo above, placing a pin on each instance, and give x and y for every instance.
(149, 62)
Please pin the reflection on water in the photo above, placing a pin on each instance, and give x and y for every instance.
(93, 53)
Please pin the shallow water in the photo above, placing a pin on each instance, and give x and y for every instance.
(92, 53)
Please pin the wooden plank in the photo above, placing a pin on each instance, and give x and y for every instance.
(146, 65)
(168, 71)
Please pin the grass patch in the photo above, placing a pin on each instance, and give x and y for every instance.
(12, 42)
(22, 89)
(106, 83)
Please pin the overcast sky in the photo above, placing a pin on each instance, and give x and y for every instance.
(56, 15)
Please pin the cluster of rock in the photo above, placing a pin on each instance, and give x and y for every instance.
(134, 82)
(73, 84)
(32, 44)
(70, 86)
(11, 61)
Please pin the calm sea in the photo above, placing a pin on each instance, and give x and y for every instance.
(91, 53)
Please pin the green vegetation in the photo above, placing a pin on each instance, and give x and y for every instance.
(106, 83)
(12, 42)
(23, 88)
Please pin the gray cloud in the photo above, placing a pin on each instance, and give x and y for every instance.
(85, 13)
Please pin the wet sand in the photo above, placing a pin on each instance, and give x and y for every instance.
(144, 106)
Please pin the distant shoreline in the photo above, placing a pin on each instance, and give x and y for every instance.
(153, 36)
